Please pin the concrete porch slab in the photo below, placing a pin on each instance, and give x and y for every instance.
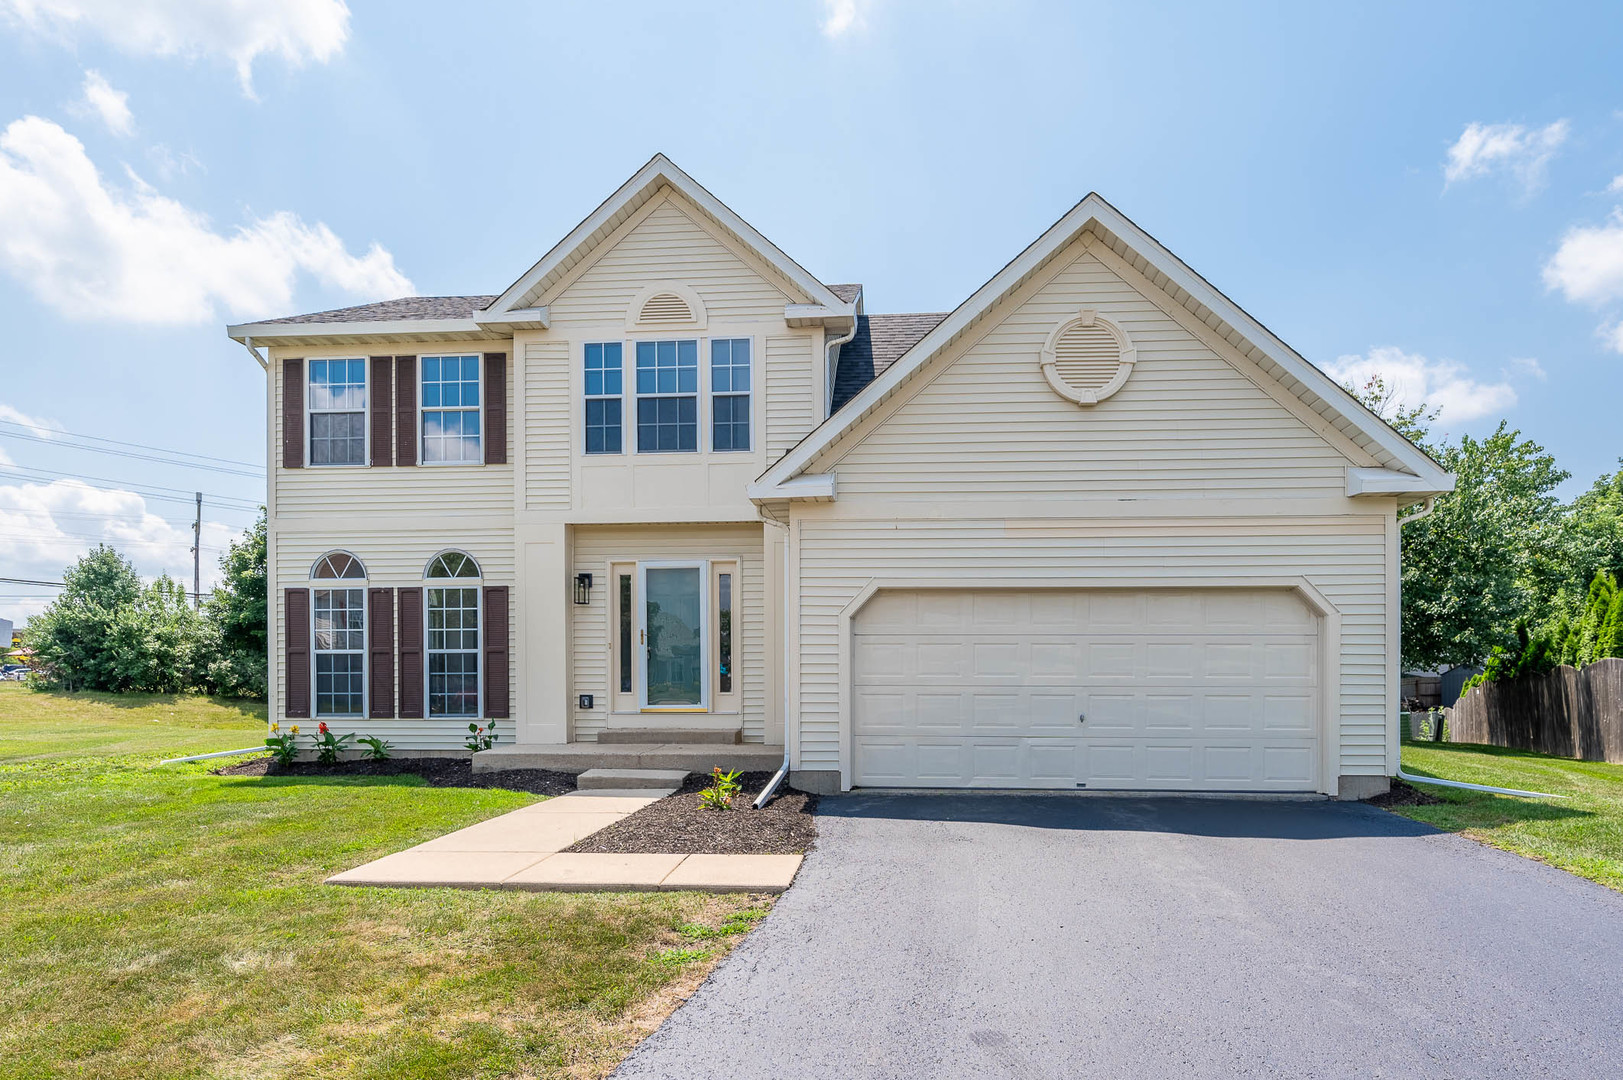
(579, 757)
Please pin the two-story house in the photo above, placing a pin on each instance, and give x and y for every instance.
(1094, 527)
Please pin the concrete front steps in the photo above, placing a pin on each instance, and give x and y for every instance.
(662, 781)
(699, 729)
(666, 755)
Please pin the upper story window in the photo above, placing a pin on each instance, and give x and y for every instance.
(605, 373)
(337, 412)
(450, 405)
(730, 394)
(667, 396)
(338, 637)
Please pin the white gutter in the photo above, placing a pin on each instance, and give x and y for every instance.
(248, 343)
(1476, 787)
(205, 757)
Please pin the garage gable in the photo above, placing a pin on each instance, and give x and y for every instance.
(1089, 382)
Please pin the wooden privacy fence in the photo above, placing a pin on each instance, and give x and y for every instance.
(1570, 712)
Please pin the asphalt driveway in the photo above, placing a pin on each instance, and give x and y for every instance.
(1032, 937)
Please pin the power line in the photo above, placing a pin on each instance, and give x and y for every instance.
(31, 581)
(150, 491)
(30, 429)
(130, 454)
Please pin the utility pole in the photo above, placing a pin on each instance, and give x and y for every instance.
(197, 554)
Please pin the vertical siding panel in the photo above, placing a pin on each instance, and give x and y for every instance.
(495, 408)
(547, 412)
(292, 414)
(380, 650)
(382, 398)
(411, 653)
(497, 648)
(405, 410)
(296, 668)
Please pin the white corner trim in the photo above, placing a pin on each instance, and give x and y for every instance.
(695, 303)
(1127, 357)
(1392, 482)
(820, 486)
(531, 318)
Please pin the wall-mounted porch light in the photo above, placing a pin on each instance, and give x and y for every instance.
(583, 588)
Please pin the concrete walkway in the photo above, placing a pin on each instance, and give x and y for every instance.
(525, 850)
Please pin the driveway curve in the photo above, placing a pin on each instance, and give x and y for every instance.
(1036, 937)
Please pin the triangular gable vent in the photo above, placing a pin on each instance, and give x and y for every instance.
(665, 308)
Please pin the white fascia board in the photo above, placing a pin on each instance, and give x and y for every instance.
(820, 487)
(1094, 208)
(531, 318)
(818, 314)
(393, 328)
(1392, 482)
(660, 170)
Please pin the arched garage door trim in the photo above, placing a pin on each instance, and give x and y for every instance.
(1328, 614)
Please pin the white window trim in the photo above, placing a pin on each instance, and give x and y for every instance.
(331, 585)
(417, 389)
(365, 410)
(628, 430)
(710, 383)
(730, 701)
(701, 410)
(640, 626)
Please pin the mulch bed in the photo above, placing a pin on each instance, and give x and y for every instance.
(435, 772)
(678, 825)
(1403, 794)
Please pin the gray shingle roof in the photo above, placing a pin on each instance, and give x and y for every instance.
(846, 293)
(879, 342)
(407, 307)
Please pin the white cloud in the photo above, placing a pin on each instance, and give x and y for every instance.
(843, 16)
(91, 250)
(35, 426)
(1588, 266)
(1444, 385)
(44, 528)
(1616, 185)
(1527, 366)
(111, 107)
(240, 31)
(1524, 153)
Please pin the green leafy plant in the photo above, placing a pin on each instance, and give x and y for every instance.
(481, 738)
(328, 746)
(724, 788)
(678, 957)
(284, 748)
(376, 748)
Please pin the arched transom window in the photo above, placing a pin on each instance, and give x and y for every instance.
(340, 565)
(452, 564)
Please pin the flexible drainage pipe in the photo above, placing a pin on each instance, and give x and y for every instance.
(205, 757)
(1476, 787)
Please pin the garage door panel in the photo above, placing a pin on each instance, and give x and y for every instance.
(1181, 690)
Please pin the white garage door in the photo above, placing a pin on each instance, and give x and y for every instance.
(1212, 689)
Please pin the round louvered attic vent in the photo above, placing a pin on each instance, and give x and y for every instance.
(665, 308)
(665, 304)
(1087, 358)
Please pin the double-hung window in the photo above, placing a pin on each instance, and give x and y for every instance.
(604, 378)
(451, 408)
(453, 635)
(730, 394)
(339, 623)
(337, 412)
(667, 396)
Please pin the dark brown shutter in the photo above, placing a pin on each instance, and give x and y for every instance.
(411, 653)
(293, 415)
(405, 410)
(496, 410)
(496, 703)
(382, 391)
(380, 666)
(296, 670)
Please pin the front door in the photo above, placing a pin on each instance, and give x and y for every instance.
(672, 633)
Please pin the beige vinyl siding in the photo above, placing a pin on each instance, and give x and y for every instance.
(341, 491)
(1187, 423)
(791, 406)
(1344, 558)
(666, 244)
(395, 555)
(596, 548)
(547, 409)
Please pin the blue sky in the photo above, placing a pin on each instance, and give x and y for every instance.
(1430, 190)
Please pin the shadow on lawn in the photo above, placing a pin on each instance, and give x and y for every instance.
(246, 708)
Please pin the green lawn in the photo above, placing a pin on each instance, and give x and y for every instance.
(1582, 833)
(163, 922)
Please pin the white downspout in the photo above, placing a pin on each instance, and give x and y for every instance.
(248, 343)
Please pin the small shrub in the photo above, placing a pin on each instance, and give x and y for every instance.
(327, 745)
(284, 748)
(678, 957)
(376, 748)
(481, 738)
(724, 788)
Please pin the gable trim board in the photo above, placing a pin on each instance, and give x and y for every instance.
(1220, 314)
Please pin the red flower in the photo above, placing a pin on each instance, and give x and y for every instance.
(322, 727)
